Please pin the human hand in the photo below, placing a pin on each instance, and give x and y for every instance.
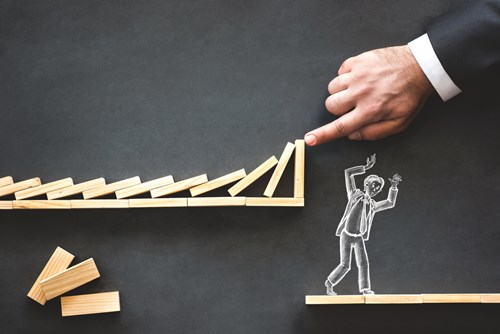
(370, 161)
(395, 180)
(376, 94)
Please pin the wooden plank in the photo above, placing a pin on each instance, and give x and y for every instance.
(253, 176)
(94, 303)
(179, 186)
(6, 181)
(144, 187)
(490, 298)
(59, 261)
(69, 279)
(300, 156)
(394, 299)
(218, 182)
(278, 171)
(325, 300)
(111, 188)
(44, 188)
(99, 203)
(76, 189)
(41, 204)
(274, 201)
(216, 201)
(157, 202)
(452, 298)
(18, 186)
(6, 205)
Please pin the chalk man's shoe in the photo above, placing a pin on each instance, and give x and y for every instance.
(366, 292)
(329, 288)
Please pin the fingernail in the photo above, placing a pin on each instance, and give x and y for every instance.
(355, 136)
(310, 139)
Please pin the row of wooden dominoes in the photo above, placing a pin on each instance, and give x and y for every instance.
(125, 190)
(433, 298)
(56, 279)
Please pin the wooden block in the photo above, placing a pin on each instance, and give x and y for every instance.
(218, 182)
(325, 300)
(280, 168)
(394, 299)
(300, 156)
(15, 187)
(253, 176)
(490, 298)
(69, 279)
(111, 188)
(6, 181)
(144, 187)
(76, 189)
(59, 261)
(216, 201)
(41, 204)
(157, 202)
(179, 186)
(5, 205)
(44, 188)
(94, 303)
(275, 201)
(99, 203)
(452, 298)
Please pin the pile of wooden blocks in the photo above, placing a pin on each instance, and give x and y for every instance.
(56, 279)
(125, 190)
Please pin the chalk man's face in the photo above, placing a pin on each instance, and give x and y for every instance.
(373, 188)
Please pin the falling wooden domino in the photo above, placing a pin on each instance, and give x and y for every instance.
(144, 187)
(253, 176)
(111, 188)
(94, 303)
(59, 261)
(157, 202)
(280, 168)
(216, 201)
(340, 299)
(41, 204)
(6, 181)
(300, 154)
(69, 279)
(76, 189)
(18, 186)
(99, 203)
(218, 182)
(274, 201)
(179, 186)
(44, 188)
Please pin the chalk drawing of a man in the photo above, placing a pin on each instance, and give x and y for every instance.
(355, 225)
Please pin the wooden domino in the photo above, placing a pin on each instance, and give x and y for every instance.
(44, 188)
(6, 205)
(489, 298)
(300, 156)
(253, 176)
(216, 201)
(111, 188)
(157, 202)
(144, 187)
(218, 182)
(99, 203)
(76, 189)
(452, 298)
(340, 299)
(94, 303)
(18, 186)
(179, 186)
(59, 261)
(394, 299)
(274, 201)
(41, 204)
(69, 279)
(278, 171)
(6, 181)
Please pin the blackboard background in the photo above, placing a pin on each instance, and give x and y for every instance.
(152, 88)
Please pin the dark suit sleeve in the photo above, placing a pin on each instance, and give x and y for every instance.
(467, 41)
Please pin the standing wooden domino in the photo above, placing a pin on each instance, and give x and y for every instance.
(253, 176)
(280, 168)
(218, 182)
(44, 188)
(94, 303)
(300, 155)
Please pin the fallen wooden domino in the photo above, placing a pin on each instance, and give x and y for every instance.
(144, 187)
(179, 186)
(41, 204)
(76, 189)
(43, 188)
(111, 188)
(216, 201)
(6, 181)
(218, 182)
(18, 186)
(440, 298)
(275, 201)
(103, 302)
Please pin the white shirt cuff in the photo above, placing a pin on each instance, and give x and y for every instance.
(429, 62)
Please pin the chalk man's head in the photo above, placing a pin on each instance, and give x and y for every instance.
(373, 185)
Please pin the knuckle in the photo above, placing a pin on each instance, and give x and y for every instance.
(340, 128)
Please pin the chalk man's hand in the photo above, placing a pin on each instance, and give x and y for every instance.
(376, 94)
(395, 180)
(370, 161)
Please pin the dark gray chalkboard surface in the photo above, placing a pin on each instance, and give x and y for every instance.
(152, 88)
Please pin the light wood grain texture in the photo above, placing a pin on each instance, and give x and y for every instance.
(278, 171)
(300, 156)
(488, 298)
(325, 300)
(69, 279)
(59, 261)
(394, 299)
(6, 181)
(253, 176)
(94, 303)
(18, 186)
(216, 201)
(452, 298)
(41, 204)
(6, 205)
(76, 189)
(99, 203)
(157, 202)
(111, 188)
(144, 187)
(274, 201)
(179, 186)
(44, 188)
(218, 182)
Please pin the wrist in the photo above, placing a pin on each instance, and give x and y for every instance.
(415, 72)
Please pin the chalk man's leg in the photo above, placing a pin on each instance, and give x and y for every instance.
(345, 261)
(363, 266)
